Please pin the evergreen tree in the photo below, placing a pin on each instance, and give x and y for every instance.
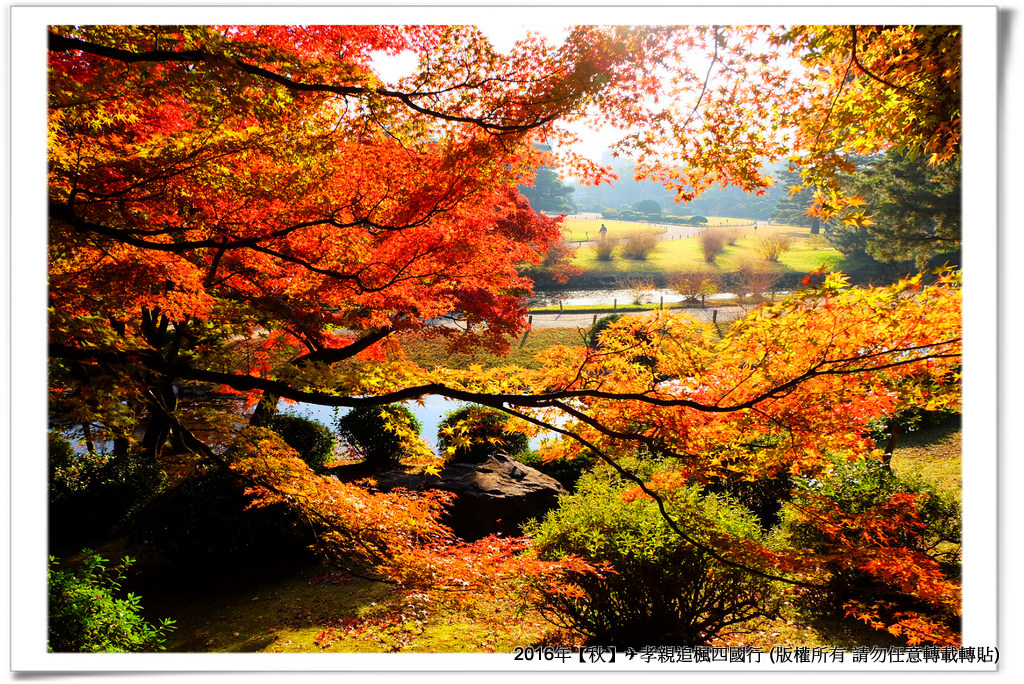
(548, 193)
(790, 208)
(915, 207)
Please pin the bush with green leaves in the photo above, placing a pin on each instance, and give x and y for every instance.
(567, 472)
(660, 588)
(88, 615)
(858, 486)
(311, 439)
(203, 527)
(91, 492)
(594, 336)
(471, 434)
(378, 433)
(648, 206)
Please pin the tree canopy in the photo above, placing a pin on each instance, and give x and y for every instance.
(252, 210)
(548, 193)
(915, 209)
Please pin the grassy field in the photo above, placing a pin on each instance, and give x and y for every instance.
(577, 230)
(932, 455)
(431, 353)
(580, 229)
(807, 253)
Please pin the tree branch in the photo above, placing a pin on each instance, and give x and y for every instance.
(58, 43)
(888, 84)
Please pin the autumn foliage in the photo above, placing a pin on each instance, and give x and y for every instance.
(243, 214)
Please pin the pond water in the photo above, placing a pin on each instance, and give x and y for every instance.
(608, 297)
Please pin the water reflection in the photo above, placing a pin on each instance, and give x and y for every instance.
(608, 297)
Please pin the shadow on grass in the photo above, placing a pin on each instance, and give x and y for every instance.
(286, 614)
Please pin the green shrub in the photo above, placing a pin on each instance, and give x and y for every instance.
(661, 589)
(611, 213)
(594, 336)
(86, 615)
(91, 492)
(311, 439)
(475, 433)
(912, 420)
(566, 472)
(865, 484)
(648, 206)
(376, 432)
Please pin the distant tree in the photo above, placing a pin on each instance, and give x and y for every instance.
(647, 206)
(791, 207)
(914, 208)
(548, 193)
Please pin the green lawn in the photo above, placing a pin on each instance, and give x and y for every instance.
(578, 229)
(807, 253)
(432, 353)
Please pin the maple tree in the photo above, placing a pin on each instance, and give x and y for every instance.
(251, 209)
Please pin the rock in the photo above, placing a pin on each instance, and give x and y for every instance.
(494, 496)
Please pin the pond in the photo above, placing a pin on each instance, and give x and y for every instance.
(608, 297)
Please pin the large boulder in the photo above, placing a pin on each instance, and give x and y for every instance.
(494, 496)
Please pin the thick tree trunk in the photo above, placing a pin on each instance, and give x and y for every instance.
(895, 432)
